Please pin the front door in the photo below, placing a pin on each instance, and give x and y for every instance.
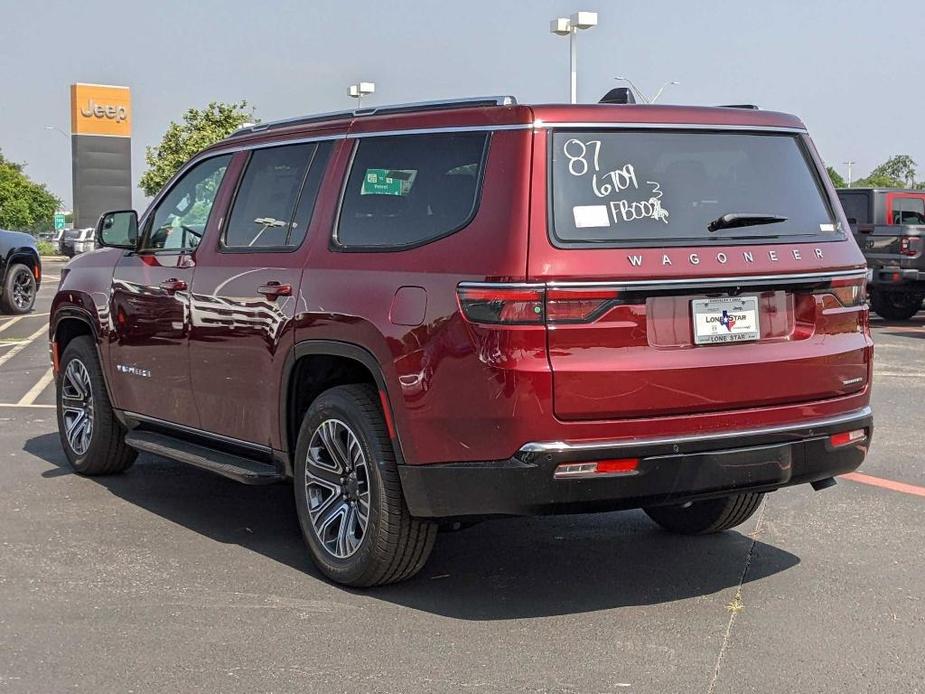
(150, 300)
(246, 292)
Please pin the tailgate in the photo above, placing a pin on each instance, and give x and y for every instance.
(661, 351)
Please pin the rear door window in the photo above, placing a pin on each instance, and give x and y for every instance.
(276, 181)
(666, 187)
(909, 210)
(406, 190)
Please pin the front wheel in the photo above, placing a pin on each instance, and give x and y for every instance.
(19, 290)
(92, 437)
(896, 305)
(348, 494)
(708, 516)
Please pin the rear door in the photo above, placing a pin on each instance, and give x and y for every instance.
(651, 313)
(246, 291)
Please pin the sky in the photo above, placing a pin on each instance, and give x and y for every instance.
(850, 68)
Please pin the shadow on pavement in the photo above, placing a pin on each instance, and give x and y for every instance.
(506, 569)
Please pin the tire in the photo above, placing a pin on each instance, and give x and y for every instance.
(98, 446)
(896, 305)
(331, 494)
(18, 290)
(709, 516)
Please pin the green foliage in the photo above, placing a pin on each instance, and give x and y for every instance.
(837, 180)
(24, 204)
(896, 172)
(878, 181)
(199, 129)
(46, 248)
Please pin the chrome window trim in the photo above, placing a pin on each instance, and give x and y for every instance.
(737, 280)
(198, 432)
(610, 125)
(566, 447)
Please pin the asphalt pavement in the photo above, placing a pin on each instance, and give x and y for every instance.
(168, 578)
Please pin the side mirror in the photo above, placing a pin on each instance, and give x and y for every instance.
(117, 229)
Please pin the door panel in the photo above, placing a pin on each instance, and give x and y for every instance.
(246, 293)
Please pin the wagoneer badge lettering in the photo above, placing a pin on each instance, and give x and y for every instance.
(723, 258)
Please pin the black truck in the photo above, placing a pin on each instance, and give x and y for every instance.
(889, 226)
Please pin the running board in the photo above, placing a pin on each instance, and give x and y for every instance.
(235, 467)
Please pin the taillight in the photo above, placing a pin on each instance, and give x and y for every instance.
(846, 438)
(910, 245)
(849, 292)
(578, 305)
(502, 304)
(599, 468)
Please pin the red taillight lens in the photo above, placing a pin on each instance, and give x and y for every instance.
(910, 245)
(845, 438)
(578, 305)
(848, 292)
(503, 304)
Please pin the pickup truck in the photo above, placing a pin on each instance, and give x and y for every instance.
(889, 226)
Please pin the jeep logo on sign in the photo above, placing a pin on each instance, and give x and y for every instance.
(95, 110)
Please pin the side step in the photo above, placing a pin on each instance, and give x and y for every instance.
(235, 467)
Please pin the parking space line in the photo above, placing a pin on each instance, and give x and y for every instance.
(36, 390)
(913, 489)
(20, 347)
(11, 321)
(33, 407)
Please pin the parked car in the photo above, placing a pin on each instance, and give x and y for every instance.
(472, 309)
(20, 272)
(889, 225)
(76, 241)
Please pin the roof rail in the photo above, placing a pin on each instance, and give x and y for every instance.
(471, 102)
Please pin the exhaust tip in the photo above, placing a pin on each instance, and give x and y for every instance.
(819, 485)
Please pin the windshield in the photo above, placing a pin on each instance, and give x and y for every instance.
(661, 187)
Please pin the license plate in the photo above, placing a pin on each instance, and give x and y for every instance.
(730, 319)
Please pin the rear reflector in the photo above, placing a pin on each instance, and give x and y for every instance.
(845, 438)
(598, 468)
(504, 305)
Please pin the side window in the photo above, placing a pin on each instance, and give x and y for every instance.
(908, 211)
(409, 189)
(277, 181)
(181, 217)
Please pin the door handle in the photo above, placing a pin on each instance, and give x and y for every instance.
(274, 290)
(173, 285)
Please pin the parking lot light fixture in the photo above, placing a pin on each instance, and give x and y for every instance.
(662, 88)
(641, 94)
(359, 90)
(570, 26)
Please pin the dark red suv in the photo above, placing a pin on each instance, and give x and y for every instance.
(451, 311)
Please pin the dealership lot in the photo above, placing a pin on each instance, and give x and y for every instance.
(169, 578)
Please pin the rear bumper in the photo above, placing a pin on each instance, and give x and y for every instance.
(672, 470)
(899, 278)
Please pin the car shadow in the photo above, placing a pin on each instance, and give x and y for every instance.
(497, 570)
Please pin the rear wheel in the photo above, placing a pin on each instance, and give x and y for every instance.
(708, 516)
(348, 493)
(18, 290)
(896, 305)
(92, 437)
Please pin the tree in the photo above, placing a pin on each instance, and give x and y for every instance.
(896, 172)
(24, 204)
(837, 180)
(199, 129)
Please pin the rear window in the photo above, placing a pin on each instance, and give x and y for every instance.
(406, 190)
(654, 187)
(856, 206)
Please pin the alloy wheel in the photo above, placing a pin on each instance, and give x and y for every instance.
(337, 488)
(77, 406)
(23, 290)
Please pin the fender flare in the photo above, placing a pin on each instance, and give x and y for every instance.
(335, 348)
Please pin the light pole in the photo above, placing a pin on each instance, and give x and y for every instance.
(570, 26)
(641, 94)
(361, 89)
(849, 164)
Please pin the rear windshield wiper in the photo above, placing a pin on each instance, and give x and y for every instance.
(743, 219)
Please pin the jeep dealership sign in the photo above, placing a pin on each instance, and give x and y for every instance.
(101, 131)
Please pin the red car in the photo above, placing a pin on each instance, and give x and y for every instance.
(453, 311)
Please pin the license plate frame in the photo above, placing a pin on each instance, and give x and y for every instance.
(711, 318)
